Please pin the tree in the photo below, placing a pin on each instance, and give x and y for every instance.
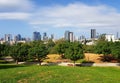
(61, 48)
(38, 52)
(115, 50)
(103, 47)
(74, 51)
(50, 44)
(14, 52)
(88, 48)
(2, 49)
(23, 51)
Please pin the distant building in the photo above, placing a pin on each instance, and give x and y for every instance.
(8, 37)
(36, 36)
(52, 36)
(117, 35)
(66, 35)
(93, 33)
(110, 37)
(45, 37)
(69, 36)
(17, 38)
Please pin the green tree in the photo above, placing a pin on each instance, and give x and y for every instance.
(61, 48)
(23, 51)
(50, 45)
(115, 50)
(2, 49)
(40, 51)
(88, 48)
(74, 51)
(103, 47)
(14, 52)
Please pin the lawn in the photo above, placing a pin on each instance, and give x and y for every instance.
(58, 74)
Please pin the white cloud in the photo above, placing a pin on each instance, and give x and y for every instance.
(18, 16)
(77, 15)
(16, 9)
(15, 5)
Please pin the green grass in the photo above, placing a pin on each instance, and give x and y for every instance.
(58, 74)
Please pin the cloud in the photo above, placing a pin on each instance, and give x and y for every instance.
(16, 9)
(14, 15)
(77, 15)
(15, 5)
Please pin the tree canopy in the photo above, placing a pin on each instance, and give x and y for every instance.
(74, 51)
(38, 52)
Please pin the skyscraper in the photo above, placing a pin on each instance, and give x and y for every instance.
(52, 36)
(93, 33)
(17, 38)
(68, 36)
(45, 38)
(8, 37)
(71, 36)
(36, 36)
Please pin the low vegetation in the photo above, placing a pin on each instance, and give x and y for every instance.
(58, 74)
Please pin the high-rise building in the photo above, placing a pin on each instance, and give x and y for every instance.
(93, 33)
(8, 37)
(45, 38)
(17, 38)
(36, 36)
(52, 36)
(69, 36)
(117, 35)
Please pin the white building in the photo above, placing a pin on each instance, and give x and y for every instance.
(110, 37)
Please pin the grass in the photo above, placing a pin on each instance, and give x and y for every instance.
(58, 74)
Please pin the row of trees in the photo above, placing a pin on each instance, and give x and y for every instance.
(22, 52)
(70, 50)
(38, 50)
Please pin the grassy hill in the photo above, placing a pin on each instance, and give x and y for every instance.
(58, 74)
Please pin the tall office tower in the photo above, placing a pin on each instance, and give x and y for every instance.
(71, 36)
(93, 33)
(36, 36)
(52, 36)
(17, 38)
(117, 35)
(45, 38)
(8, 37)
(68, 36)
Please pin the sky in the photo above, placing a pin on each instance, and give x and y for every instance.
(56, 16)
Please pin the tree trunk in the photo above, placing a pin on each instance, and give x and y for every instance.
(16, 61)
(39, 61)
(74, 64)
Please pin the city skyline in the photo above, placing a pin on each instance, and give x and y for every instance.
(55, 17)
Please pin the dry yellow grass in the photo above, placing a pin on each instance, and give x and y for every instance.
(53, 57)
(88, 57)
(93, 57)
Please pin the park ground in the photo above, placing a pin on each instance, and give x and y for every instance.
(58, 74)
(22, 73)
